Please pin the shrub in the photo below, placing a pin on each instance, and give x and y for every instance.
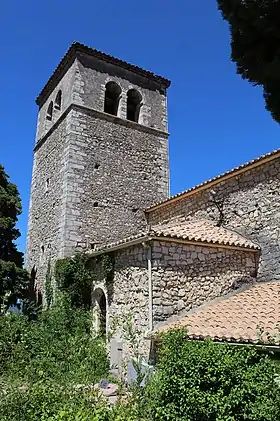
(58, 346)
(36, 401)
(47, 401)
(213, 382)
(74, 277)
(43, 361)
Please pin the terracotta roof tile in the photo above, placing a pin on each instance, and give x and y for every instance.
(204, 231)
(234, 171)
(237, 318)
(120, 243)
(201, 231)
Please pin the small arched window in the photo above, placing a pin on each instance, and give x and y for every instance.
(134, 100)
(50, 111)
(112, 98)
(58, 98)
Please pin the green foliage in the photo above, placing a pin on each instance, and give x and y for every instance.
(213, 382)
(38, 401)
(74, 277)
(108, 265)
(255, 45)
(14, 283)
(99, 412)
(57, 346)
(10, 208)
(14, 279)
(48, 365)
(47, 401)
(45, 364)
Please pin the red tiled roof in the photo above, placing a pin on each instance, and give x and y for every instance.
(70, 55)
(204, 231)
(237, 318)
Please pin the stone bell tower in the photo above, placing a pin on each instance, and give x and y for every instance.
(100, 158)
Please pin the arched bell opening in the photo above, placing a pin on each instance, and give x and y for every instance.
(112, 98)
(134, 103)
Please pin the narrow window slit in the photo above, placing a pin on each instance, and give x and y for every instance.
(58, 99)
(50, 111)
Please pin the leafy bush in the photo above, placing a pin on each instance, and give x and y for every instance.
(45, 363)
(213, 382)
(38, 401)
(100, 412)
(74, 277)
(58, 346)
(47, 401)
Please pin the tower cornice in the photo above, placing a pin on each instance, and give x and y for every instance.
(103, 116)
(73, 52)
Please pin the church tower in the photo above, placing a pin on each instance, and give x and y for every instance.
(100, 158)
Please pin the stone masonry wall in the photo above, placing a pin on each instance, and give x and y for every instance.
(46, 219)
(130, 290)
(101, 170)
(250, 207)
(92, 75)
(84, 84)
(114, 171)
(186, 276)
(68, 87)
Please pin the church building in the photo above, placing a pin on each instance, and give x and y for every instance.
(207, 258)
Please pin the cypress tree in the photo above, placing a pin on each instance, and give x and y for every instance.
(14, 279)
(255, 45)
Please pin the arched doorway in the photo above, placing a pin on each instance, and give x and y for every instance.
(100, 307)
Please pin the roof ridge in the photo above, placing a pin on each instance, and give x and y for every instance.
(218, 178)
(152, 232)
(79, 47)
(247, 242)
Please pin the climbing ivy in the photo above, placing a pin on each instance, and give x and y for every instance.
(108, 265)
(76, 276)
(73, 277)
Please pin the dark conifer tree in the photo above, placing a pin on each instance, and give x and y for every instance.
(14, 279)
(255, 45)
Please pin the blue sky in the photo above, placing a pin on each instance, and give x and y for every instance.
(216, 120)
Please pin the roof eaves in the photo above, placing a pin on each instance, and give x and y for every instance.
(188, 239)
(58, 73)
(77, 47)
(117, 245)
(152, 235)
(156, 335)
